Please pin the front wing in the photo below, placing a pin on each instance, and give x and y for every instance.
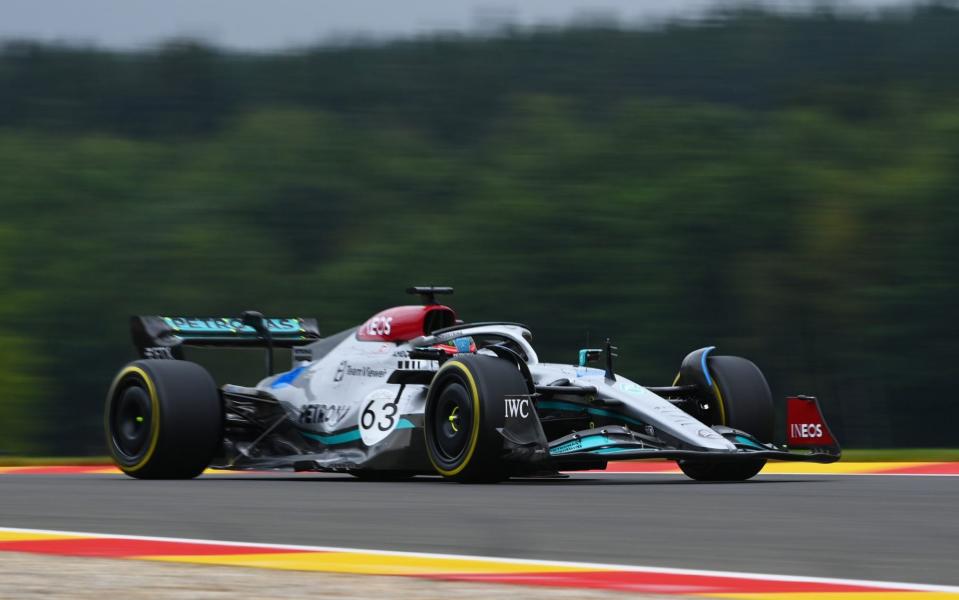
(585, 448)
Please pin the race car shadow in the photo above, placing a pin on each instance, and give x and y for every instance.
(638, 479)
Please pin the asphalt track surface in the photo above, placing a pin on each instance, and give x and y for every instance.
(894, 528)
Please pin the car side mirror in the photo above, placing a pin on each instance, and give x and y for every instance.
(589, 355)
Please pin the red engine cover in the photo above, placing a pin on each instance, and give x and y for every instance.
(404, 323)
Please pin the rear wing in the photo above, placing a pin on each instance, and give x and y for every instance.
(165, 337)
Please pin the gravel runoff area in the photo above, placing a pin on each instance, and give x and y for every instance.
(31, 576)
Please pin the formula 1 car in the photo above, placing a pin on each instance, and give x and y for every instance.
(415, 391)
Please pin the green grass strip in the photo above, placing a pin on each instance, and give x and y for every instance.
(901, 455)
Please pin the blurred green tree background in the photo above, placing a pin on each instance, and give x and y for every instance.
(781, 186)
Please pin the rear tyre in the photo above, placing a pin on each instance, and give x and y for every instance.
(464, 409)
(163, 419)
(741, 400)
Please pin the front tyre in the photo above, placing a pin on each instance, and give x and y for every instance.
(741, 399)
(464, 410)
(163, 419)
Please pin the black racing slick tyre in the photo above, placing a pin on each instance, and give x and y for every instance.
(742, 401)
(164, 419)
(465, 407)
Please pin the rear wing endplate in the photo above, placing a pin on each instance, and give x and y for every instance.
(165, 337)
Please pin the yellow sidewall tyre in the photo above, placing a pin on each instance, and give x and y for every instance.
(163, 419)
(742, 400)
(465, 408)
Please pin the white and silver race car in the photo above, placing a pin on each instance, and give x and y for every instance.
(415, 391)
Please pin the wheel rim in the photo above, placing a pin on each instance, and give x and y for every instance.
(131, 419)
(452, 422)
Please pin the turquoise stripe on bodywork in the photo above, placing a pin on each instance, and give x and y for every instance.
(583, 444)
(613, 450)
(350, 435)
(748, 442)
(591, 443)
(572, 406)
